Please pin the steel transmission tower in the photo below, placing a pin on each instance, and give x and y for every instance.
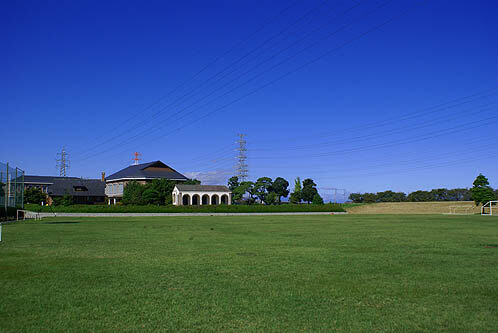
(63, 162)
(241, 167)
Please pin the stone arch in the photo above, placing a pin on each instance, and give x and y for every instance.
(224, 199)
(215, 199)
(185, 200)
(205, 199)
(196, 199)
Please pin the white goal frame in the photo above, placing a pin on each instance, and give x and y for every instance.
(462, 210)
(489, 205)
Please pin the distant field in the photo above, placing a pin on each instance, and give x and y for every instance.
(437, 207)
(275, 273)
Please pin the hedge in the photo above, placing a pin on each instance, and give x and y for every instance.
(188, 209)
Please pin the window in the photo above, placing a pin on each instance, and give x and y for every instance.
(80, 188)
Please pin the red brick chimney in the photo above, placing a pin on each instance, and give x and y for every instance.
(103, 176)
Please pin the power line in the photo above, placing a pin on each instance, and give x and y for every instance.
(442, 106)
(156, 127)
(433, 120)
(377, 27)
(210, 64)
(347, 42)
(436, 155)
(417, 168)
(434, 134)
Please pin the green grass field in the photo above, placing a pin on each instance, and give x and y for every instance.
(283, 273)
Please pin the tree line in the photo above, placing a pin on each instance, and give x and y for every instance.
(480, 193)
(270, 192)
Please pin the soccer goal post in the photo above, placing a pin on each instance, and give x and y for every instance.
(462, 210)
(489, 208)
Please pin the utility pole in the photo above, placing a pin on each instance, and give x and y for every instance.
(135, 159)
(63, 162)
(241, 167)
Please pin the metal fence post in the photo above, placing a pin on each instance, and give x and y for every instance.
(15, 190)
(22, 190)
(7, 189)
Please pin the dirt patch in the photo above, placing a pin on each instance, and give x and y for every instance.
(440, 207)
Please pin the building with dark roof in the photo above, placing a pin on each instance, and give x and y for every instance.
(83, 191)
(141, 173)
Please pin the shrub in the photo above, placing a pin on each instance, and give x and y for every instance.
(67, 200)
(34, 195)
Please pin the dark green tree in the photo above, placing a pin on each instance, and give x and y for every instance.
(163, 187)
(251, 190)
(239, 191)
(317, 199)
(440, 194)
(369, 197)
(296, 196)
(271, 198)
(261, 187)
(390, 196)
(132, 193)
(280, 187)
(233, 183)
(151, 196)
(356, 197)
(34, 195)
(459, 194)
(192, 182)
(309, 190)
(481, 191)
(420, 196)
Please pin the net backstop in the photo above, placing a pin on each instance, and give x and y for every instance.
(11, 187)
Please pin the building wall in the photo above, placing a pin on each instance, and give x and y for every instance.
(178, 196)
(115, 188)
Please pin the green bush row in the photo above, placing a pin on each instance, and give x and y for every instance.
(188, 209)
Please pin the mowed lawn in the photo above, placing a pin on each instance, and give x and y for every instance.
(279, 273)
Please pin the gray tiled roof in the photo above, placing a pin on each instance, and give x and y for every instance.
(59, 186)
(138, 171)
(202, 188)
(43, 179)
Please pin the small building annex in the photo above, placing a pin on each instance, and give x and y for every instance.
(142, 173)
(186, 195)
(83, 191)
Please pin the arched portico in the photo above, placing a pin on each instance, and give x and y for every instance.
(187, 195)
(215, 199)
(205, 199)
(186, 200)
(224, 199)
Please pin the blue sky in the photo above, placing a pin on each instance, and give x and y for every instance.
(351, 94)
